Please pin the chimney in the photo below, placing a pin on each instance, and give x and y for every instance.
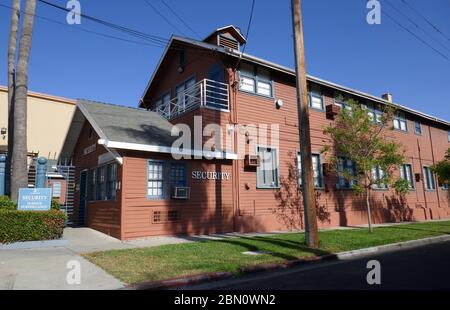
(387, 97)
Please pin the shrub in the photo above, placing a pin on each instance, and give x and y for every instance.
(30, 225)
(55, 205)
(7, 204)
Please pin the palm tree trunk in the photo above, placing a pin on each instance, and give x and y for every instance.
(19, 172)
(13, 32)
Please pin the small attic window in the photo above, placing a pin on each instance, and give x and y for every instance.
(90, 133)
(181, 58)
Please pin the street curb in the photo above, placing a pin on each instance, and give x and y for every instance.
(216, 276)
(391, 247)
(182, 281)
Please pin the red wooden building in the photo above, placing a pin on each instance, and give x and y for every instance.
(129, 185)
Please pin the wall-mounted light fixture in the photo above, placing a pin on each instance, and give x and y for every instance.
(3, 131)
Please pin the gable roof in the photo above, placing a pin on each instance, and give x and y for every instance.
(122, 127)
(119, 124)
(236, 33)
(285, 70)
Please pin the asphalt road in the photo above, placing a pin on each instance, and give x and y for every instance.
(425, 267)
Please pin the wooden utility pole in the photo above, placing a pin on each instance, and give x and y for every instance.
(309, 202)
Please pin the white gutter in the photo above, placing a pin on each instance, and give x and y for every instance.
(165, 149)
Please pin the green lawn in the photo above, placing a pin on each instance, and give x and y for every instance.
(169, 261)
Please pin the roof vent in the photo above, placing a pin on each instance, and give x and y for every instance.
(387, 97)
(228, 37)
(228, 42)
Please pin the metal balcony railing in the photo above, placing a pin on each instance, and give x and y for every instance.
(206, 93)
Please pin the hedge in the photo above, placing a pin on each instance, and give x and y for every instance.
(30, 225)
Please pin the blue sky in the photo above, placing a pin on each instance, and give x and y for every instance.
(340, 46)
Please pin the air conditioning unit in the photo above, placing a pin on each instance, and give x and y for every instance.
(418, 177)
(252, 161)
(332, 110)
(181, 192)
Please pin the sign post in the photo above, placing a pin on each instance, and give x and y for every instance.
(34, 199)
(2, 174)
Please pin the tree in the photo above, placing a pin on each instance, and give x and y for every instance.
(19, 171)
(13, 32)
(442, 169)
(362, 139)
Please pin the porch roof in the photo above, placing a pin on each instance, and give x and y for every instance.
(122, 127)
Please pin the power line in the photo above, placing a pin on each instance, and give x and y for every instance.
(416, 36)
(165, 18)
(145, 36)
(82, 29)
(426, 20)
(417, 25)
(249, 24)
(181, 19)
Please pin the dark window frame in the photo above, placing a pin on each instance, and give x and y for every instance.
(429, 179)
(347, 183)
(417, 132)
(275, 175)
(255, 77)
(411, 182)
(320, 177)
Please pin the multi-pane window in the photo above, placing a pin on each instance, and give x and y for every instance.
(315, 99)
(406, 174)
(267, 173)
(346, 169)
(111, 181)
(342, 103)
(400, 121)
(178, 174)
(101, 177)
(93, 184)
(255, 80)
(378, 175)
(155, 179)
(317, 171)
(428, 176)
(374, 112)
(163, 103)
(186, 93)
(417, 128)
(56, 189)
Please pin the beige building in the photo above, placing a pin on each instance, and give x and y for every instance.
(49, 118)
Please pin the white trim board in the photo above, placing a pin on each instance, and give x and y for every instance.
(165, 149)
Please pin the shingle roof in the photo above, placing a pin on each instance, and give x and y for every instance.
(126, 124)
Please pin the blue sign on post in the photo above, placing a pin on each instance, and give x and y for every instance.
(34, 199)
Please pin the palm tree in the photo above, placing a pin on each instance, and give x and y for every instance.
(14, 29)
(19, 171)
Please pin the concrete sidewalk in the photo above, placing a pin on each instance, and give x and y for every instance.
(46, 268)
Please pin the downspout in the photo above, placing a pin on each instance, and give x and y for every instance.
(432, 157)
(421, 173)
(236, 172)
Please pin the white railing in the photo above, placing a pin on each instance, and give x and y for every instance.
(206, 93)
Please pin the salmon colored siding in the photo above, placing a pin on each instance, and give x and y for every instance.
(100, 215)
(209, 209)
(237, 204)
